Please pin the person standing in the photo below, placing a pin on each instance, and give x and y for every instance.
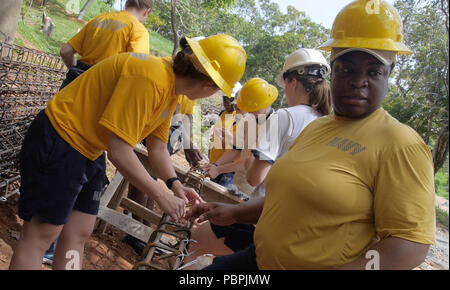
(103, 36)
(106, 35)
(111, 107)
(355, 184)
(309, 97)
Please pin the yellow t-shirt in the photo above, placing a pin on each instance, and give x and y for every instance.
(216, 149)
(186, 105)
(109, 34)
(342, 186)
(131, 95)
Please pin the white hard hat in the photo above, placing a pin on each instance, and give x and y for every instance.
(236, 89)
(301, 58)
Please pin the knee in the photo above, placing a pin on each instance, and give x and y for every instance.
(38, 239)
(78, 236)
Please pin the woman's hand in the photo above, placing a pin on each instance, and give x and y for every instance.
(220, 214)
(187, 194)
(172, 205)
(213, 171)
(193, 156)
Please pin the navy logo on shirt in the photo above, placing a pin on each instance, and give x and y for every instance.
(347, 145)
(108, 24)
(97, 195)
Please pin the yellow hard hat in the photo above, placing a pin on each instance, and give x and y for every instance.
(371, 24)
(222, 57)
(256, 94)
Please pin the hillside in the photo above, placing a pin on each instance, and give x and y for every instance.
(30, 24)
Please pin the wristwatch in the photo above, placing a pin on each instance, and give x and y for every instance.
(170, 181)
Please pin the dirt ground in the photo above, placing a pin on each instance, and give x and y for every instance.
(108, 252)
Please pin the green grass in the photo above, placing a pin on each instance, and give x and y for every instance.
(30, 30)
(38, 40)
(66, 27)
(441, 181)
(442, 217)
(160, 44)
(97, 7)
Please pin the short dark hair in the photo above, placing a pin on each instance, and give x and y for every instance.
(139, 4)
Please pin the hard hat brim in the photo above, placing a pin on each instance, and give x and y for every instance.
(206, 64)
(280, 80)
(384, 56)
(372, 43)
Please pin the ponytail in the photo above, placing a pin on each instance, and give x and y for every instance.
(318, 90)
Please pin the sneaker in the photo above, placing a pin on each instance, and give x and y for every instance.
(48, 259)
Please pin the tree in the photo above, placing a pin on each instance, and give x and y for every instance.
(267, 34)
(420, 97)
(9, 16)
(185, 17)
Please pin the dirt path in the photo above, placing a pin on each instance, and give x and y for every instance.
(438, 254)
(25, 41)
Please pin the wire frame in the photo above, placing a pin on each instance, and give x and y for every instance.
(28, 80)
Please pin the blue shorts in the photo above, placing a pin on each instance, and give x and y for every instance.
(237, 236)
(225, 179)
(242, 260)
(55, 178)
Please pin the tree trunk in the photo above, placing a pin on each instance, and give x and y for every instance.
(440, 150)
(48, 26)
(84, 9)
(9, 16)
(174, 28)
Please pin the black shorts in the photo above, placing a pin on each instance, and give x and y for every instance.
(75, 72)
(237, 236)
(55, 178)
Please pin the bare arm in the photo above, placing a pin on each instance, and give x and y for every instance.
(228, 157)
(234, 166)
(394, 254)
(227, 214)
(123, 157)
(159, 155)
(193, 155)
(258, 172)
(68, 55)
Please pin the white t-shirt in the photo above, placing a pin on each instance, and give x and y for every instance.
(288, 123)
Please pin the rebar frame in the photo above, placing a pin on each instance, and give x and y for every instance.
(28, 80)
(169, 255)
